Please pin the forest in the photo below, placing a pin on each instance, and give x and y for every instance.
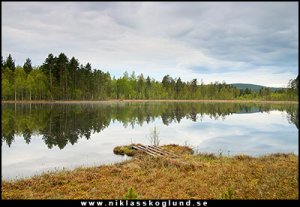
(61, 78)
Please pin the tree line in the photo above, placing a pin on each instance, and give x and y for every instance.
(61, 78)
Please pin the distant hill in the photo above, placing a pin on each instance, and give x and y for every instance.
(253, 87)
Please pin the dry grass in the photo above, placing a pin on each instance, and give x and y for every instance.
(203, 176)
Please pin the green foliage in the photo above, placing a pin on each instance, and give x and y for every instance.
(61, 78)
(125, 150)
(6, 88)
(9, 63)
(229, 194)
(27, 66)
(131, 195)
(293, 86)
(20, 82)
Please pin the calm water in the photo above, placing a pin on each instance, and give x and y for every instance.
(44, 137)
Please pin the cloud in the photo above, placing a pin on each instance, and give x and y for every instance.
(199, 39)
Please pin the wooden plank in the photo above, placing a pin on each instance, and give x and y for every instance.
(138, 148)
(149, 150)
(166, 151)
(158, 151)
(170, 152)
(146, 150)
(155, 151)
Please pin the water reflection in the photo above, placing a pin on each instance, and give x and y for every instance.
(60, 124)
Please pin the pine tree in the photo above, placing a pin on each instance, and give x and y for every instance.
(27, 66)
(10, 63)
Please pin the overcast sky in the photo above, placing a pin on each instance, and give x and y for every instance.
(250, 42)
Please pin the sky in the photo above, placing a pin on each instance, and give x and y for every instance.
(235, 42)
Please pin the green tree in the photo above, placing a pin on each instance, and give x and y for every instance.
(20, 83)
(178, 87)
(5, 88)
(10, 63)
(62, 67)
(123, 88)
(265, 92)
(73, 68)
(148, 88)
(193, 88)
(7, 83)
(293, 85)
(87, 79)
(40, 84)
(27, 66)
(140, 87)
(48, 68)
(30, 83)
(169, 85)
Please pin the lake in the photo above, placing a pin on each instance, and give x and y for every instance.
(38, 138)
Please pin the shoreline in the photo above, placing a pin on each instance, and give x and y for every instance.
(200, 176)
(141, 101)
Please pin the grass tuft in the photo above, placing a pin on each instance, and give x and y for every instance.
(125, 150)
(131, 195)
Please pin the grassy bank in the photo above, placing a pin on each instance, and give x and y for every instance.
(203, 176)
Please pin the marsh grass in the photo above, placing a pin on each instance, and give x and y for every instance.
(201, 176)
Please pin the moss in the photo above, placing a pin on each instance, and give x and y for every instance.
(125, 150)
